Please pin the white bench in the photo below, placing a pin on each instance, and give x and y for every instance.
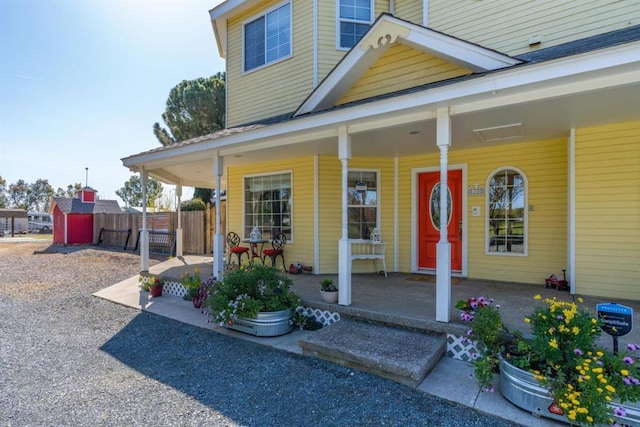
(372, 249)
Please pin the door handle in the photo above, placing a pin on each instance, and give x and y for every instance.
(460, 229)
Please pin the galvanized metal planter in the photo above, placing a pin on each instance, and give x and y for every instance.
(523, 390)
(266, 324)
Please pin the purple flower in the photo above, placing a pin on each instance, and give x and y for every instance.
(577, 351)
(474, 304)
(635, 381)
(474, 355)
(619, 412)
(498, 306)
(627, 360)
(491, 300)
(560, 318)
(633, 347)
(490, 389)
(469, 332)
(626, 381)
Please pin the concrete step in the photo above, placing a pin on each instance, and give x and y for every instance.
(404, 356)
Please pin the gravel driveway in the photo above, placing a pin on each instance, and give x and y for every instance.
(70, 359)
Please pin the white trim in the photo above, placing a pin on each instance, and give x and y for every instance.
(244, 214)
(624, 57)
(257, 16)
(315, 43)
(414, 214)
(396, 225)
(355, 21)
(525, 237)
(571, 214)
(316, 215)
(425, 13)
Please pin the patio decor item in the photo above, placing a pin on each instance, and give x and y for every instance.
(155, 287)
(328, 291)
(254, 299)
(584, 384)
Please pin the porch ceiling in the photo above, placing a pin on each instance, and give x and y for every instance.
(544, 119)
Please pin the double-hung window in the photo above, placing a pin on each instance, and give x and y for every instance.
(507, 214)
(362, 210)
(268, 205)
(267, 38)
(354, 19)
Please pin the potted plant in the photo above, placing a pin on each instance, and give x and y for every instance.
(191, 284)
(328, 291)
(559, 372)
(254, 299)
(155, 286)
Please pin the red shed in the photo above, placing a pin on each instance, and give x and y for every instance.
(73, 218)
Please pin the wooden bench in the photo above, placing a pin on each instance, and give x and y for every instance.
(372, 249)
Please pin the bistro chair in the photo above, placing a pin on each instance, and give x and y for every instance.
(276, 250)
(233, 243)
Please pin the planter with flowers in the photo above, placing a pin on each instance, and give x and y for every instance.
(191, 284)
(559, 372)
(328, 291)
(155, 287)
(254, 299)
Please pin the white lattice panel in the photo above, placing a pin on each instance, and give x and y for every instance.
(460, 348)
(174, 289)
(323, 316)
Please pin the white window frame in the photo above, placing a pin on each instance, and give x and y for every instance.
(258, 16)
(339, 20)
(525, 237)
(378, 204)
(244, 201)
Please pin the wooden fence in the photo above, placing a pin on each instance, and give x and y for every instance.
(197, 228)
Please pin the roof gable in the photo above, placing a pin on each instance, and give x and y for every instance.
(388, 31)
(68, 205)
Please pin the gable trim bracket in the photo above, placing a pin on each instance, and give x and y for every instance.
(385, 31)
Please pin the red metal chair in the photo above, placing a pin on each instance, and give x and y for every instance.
(233, 243)
(276, 250)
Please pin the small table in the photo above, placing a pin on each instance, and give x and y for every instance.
(253, 246)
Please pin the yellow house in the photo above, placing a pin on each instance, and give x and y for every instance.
(345, 116)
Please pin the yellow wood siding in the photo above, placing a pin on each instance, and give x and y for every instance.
(401, 67)
(277, 88)
(507, 27)
(330, 220)
(544, 164)
(608, 211)
(410, 10)
(301, 247)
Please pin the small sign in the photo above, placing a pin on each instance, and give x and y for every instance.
(361, 187)
(617, 320)
(475, 190)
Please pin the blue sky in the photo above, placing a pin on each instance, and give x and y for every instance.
(83, 81)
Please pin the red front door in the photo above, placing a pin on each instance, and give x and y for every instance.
(429, 218)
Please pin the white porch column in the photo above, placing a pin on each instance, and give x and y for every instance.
(443, 251)
(218, 238)
(144, 233)
(179, 251)
(344, 246)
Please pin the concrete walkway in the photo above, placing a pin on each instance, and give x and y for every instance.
(450, 379)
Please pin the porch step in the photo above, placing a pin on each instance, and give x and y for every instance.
(404, 356)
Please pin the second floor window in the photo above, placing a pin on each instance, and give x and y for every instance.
(354, 21)
(267, 38)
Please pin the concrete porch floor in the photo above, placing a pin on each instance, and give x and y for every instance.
(400, 299)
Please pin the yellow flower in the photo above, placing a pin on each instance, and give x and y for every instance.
(580, 300)
(572, 415)
(603, 380)
(553, 343)
(600, 354)
(589, 419)
(564, 405)
(575, 330)
(610, 389)
(607, 398)
(527, 320)
(537, 296)
(593, 320)
(624, 372)
(583, 411)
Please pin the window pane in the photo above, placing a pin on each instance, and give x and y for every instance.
(506, 212)
(268, 205)
(254, 44)
(268, 38)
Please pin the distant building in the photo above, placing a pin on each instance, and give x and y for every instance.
(73, 217)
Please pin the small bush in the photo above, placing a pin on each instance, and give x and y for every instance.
(192, 205)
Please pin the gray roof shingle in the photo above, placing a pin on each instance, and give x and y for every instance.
(68, 205)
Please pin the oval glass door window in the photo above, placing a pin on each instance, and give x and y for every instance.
(435, 206)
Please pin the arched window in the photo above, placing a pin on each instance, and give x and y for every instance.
(506, 228)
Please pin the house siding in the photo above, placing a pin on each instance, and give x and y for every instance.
(409, 10)
(608, 210)
(249, 93)
(544, 164)
(301, 244)
(492, 24)
(401, 67)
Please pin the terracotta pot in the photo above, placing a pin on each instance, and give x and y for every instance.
(155, 290)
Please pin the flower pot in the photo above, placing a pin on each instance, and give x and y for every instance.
(155, 290)
(266, 324)
(523, 390)
(329, 296)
